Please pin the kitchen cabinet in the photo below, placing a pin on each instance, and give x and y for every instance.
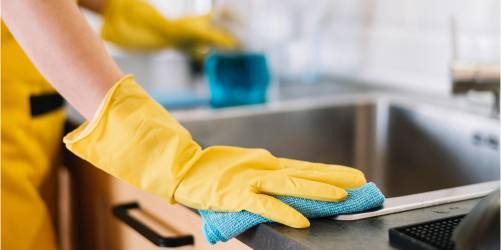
(89, 223)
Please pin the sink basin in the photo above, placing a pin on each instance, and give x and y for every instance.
(405, 147)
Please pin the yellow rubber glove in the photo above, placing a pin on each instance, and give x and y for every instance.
(135, 139)
(135, 24)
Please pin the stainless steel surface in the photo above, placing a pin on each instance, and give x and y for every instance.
(403, 145)
(426, 199)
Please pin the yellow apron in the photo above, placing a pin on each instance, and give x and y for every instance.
(32, 128)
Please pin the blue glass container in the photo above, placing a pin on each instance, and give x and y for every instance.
(237, 78)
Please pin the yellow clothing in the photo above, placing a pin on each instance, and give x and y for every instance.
(135, 24)
(30, 147)
(31, 143)
(135, 139)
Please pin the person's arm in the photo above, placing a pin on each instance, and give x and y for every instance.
(63, 47)
(135, 139)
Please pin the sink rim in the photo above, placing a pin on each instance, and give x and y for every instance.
(299, 105)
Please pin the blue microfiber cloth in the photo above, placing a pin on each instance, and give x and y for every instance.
(222, 226)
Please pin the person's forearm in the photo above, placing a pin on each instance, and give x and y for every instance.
(60, 43)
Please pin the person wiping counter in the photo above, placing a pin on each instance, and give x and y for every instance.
(48, 47)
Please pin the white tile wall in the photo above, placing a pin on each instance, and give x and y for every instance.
(400, 43)
(407, 43)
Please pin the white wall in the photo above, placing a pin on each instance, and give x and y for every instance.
(407, 43)
(400, 43)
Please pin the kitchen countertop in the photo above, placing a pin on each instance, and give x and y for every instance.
(371, 233)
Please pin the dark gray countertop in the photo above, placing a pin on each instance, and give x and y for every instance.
(326, 233)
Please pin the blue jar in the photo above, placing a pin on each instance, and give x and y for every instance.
(237, 78)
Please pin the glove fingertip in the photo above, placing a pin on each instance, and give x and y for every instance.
(277, 211)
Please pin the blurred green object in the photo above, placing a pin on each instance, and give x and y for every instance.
(237, 78)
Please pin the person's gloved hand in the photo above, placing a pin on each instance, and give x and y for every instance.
(135, 139)
(135, 24)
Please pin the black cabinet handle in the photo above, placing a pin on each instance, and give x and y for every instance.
(121, 212)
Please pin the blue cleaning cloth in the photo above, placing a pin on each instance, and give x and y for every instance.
(222, 226)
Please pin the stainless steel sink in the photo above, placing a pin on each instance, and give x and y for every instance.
(405, 147)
